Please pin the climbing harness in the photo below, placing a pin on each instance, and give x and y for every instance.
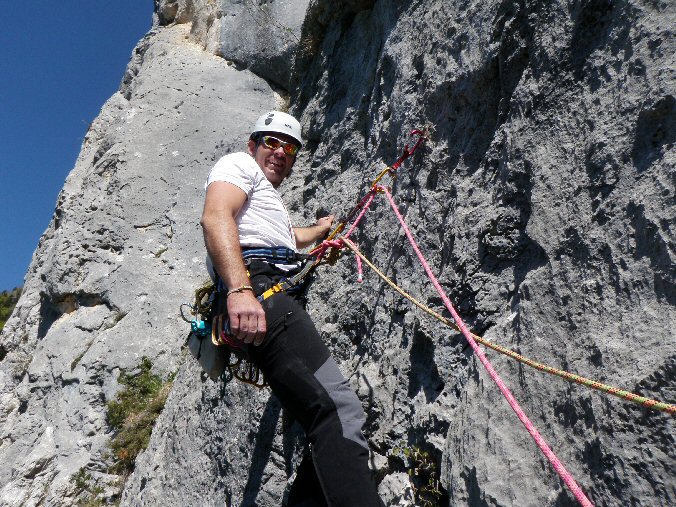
(210, 341)
(274, 255)
(209, 319)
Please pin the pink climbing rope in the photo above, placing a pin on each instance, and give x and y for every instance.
(321, 249)
(556, 463)
(366, 202)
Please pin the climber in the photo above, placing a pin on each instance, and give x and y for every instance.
(251, 245)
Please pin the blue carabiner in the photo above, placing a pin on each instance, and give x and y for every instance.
(200, 327)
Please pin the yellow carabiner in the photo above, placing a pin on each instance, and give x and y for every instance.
(382, 174)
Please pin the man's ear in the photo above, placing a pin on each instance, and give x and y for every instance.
(251, 147)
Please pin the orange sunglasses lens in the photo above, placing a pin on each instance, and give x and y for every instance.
(273, 143)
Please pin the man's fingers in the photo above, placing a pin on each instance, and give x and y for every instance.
(248, 331)
(261, 330)
(240, 327)
(247, 319)
(254, 329)
(234, 324)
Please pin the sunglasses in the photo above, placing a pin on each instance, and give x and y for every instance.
(273, 143)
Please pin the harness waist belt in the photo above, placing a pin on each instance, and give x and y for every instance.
(274, 255)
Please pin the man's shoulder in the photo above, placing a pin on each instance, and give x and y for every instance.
(240, 159)
(240, 169)
(240, 165)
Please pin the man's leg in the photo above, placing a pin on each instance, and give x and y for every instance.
(306, 490)
(304, 376)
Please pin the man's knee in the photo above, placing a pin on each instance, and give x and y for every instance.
(348, 406)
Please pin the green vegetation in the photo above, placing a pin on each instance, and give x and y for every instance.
(133, 414)
(8, 300)
(82, 481)
(423, 475)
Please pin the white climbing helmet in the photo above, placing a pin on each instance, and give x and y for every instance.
(281, 123)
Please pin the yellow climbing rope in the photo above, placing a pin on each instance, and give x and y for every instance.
(571, 377)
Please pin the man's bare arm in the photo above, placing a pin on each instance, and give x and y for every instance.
(305, 236)
(221, 237)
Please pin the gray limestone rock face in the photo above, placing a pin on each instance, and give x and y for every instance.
(259, 35)
(543, 200)
(123, 251)
(545, 204)
(263, 36)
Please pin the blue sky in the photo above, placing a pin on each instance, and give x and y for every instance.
(60, 62)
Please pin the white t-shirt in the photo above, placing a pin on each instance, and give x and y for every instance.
(263, 220)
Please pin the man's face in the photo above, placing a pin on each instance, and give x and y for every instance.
(276, 164)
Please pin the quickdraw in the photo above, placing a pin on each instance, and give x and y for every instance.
(391, 170)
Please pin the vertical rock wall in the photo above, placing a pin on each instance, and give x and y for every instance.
(544, 201)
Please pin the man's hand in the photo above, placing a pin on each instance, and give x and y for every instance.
(324, 225)
(305, 236)
(247, 318)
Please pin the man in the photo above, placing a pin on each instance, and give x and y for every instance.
(244, 213)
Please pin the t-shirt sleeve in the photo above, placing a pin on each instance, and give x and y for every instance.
(235, 169)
